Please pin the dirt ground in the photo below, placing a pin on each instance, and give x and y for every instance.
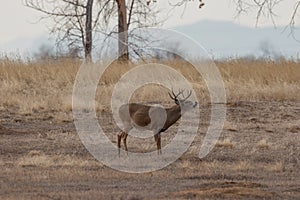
(257, 157)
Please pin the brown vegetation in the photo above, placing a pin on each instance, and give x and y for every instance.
(256, 157)
(33, 86)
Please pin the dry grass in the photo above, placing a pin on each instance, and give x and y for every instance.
(230, 126)
(277, 167)
(34, 86)
(243, 166)
(186, 164)
(263, 144)
(261, 80)
(227, 143)
(39, 159)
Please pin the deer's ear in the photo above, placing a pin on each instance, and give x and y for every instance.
(177, 101)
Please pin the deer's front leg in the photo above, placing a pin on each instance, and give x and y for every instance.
(158, 142)
(119, 141)
(124, 141)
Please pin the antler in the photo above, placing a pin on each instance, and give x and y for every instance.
(175, 96)
(189, 94)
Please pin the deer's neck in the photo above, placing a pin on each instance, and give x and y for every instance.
(173, 114)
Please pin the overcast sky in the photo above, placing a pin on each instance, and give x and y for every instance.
(17, 21)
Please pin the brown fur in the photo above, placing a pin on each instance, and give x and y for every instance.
(139, 116)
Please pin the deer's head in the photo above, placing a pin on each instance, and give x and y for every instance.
(184, 104)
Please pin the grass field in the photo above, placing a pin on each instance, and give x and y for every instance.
(34, 86)
(256, 157)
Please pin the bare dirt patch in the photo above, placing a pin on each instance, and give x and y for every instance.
(257, 157)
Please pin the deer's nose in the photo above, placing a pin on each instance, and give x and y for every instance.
(196, 103)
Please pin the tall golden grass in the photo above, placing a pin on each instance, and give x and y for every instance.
(34, 86)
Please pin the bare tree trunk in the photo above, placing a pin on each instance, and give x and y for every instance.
(76, 23)
(122, 31)
(88, 31)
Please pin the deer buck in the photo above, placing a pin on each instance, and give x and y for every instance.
(153, 118)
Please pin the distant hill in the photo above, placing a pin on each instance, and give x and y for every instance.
(224, 39)
(220, 38)
(26, 47)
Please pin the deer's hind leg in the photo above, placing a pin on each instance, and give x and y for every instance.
(122, 135)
